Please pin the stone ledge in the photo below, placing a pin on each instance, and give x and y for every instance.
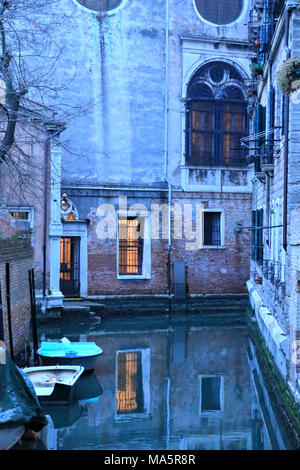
(276, 339)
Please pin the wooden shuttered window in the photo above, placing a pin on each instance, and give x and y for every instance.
(257, 249)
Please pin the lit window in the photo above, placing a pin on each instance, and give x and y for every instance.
(24, 215)
(131, 245)
(70, 266)
(219, 12)
(22, 219)
(99, 5)
(130, 395)
(216, 117)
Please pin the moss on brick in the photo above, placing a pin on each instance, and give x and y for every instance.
(280, 395)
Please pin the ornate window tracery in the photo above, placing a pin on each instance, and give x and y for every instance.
(216, 116)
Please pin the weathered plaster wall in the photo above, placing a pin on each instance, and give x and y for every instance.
(118, 61)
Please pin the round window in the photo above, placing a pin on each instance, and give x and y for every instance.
(99, 5)
(219, 11)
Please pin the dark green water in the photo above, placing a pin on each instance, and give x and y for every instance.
(182, 382)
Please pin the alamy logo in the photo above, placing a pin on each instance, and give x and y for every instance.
(186, 222)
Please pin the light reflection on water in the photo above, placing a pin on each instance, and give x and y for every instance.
(182, 386)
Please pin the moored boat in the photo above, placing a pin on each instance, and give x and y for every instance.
(20, 410)
(54, 383)
(65, 352)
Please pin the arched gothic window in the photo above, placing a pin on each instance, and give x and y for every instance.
(216, 116)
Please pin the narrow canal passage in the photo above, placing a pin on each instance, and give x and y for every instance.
(176, 382)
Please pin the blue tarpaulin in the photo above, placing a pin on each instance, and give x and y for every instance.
(19, 404)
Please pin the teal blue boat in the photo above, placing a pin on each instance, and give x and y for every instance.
(65, 352)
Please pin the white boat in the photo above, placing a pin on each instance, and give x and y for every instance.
(54, 383)
(65, 352)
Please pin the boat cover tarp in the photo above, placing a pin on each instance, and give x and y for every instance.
(57, 349)
(19, 404)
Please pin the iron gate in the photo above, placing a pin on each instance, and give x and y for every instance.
(69, 266)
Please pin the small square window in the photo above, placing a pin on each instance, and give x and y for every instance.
(20, 215)
(212, 229)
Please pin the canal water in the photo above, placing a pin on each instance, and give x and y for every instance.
(176, 381)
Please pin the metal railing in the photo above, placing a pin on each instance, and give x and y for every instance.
(266, 154)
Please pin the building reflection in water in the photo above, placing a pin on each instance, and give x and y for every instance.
(182, 386)
(132, 383)
(130, 396)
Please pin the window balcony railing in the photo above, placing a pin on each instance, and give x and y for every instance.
(255, 19)
(266, 155)
(251, 87)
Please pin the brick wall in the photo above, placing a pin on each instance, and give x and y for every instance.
(17, 254)
(6, 228)
(217, 270)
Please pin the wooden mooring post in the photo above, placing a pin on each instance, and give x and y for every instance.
(9, 322)
(33, 315)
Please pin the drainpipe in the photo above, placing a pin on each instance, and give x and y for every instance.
(47, 153)
(166, 110)
(286, 130)
(269, 137)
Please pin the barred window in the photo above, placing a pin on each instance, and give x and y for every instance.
(23, 215)
(219, 11)
(212, 228)
(216, 117)
(131, 245)
(257, 244)
(130, 395)
(99, 5)
(23, 219)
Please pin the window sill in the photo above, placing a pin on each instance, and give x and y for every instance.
(131, 416)
(210, 413)
(213, 247)
(133, 276)
(205, 166)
